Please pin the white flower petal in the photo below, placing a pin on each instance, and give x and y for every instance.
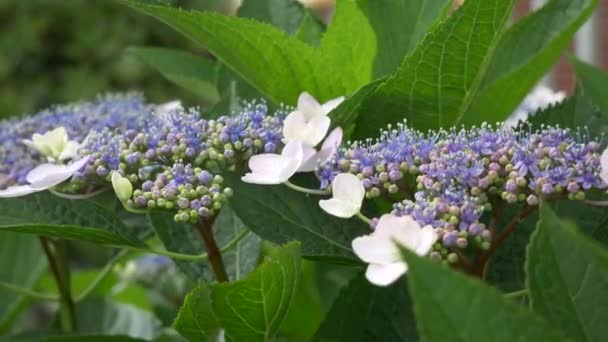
(273, 168)
(331, 105)
(309, 159)
(372, 249)
(384, 275)
(256, 178)
(428, 237)
(70, 151)
(293, 125)
(347, 187)
(316, 130)
(333, 139)
(604, 166)
(399, 229)
(46, 176)
(339, 208)
(266, 163)
(309, 106)
(168, 107)
(17, 191)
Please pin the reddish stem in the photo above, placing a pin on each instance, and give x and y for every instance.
(481, 265)
(205, 228)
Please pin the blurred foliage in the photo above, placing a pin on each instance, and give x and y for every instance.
(59, 51)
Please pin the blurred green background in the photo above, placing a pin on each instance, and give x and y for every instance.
(56, 51)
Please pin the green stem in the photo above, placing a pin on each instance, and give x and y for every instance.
(28, 293)
(205, 228)
(102, 275)
(188, 257)
(364, 218)
(307, 191)
(80, 196)
(516, 294)
(58, 263)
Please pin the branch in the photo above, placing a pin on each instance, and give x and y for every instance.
(485, 257)
(205, 228)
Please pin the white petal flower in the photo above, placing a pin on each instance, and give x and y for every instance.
(309, 122)
(54, 144)
(17, 191)
(312, 158)
(604, 166)
(380, 249)
(122, 187)
(274, 168)
(70, 151)
(162, 111)
(347, 196)
(44, 177)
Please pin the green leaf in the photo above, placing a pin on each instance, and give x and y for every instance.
(253, 309)
(525, 53)
(280, 215)
(311, 30)
(25, 251)
(574, 112)
(450, 306)
(103, 316)
(364, 312)
(191, 72)
(196, 320)
(400, 25)
(184, 238)
(250, 309)
(568, 278)
(244, 257)
(436, 82)
(594, 81)
(181, 238)
(346, 114)
(281, 67)
(306, 311)
(51, 216)
(284, 14)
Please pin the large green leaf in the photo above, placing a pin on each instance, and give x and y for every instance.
(184, 238)
(574, 112)
(364, 312)
(568, 278)
(400, 25)
(48, 215)
(250, 309)
(436, 82)
(525, 53)
(285, 14)
(278, 65)
(196, 320)
(279, 214)
(450, 306)
(194, 73)
(23, 250)
(594, 81)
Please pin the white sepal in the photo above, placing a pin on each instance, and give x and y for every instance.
(381, 248)
(271, 168)
(347, 196)
(309, 122)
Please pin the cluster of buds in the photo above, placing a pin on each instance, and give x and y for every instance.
(447, 179)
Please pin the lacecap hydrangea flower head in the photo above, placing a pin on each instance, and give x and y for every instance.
(443, 184)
